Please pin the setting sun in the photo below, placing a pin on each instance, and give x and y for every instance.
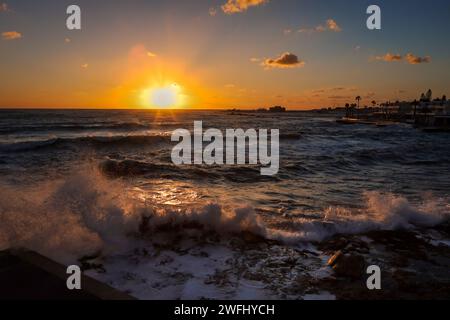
(168, 96)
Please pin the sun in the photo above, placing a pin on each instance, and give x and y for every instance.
(164, 97)
(167, 96)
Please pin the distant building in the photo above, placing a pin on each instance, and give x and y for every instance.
(277, 109)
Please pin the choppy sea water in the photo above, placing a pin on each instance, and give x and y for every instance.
(102, 184)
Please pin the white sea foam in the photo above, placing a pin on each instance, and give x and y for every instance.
(380, 212)
(87, 213)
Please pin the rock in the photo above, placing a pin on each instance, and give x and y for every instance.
(334, 258)
(252, 238)
(347, 265)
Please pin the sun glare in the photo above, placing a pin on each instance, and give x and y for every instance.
(169, 96)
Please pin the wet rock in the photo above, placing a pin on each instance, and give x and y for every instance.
(252, 238)
(166, 260)
(347, 265)
(332, 261)
(220, 278)
(334, 244)
(255, 276)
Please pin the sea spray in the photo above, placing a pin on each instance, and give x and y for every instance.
(89, 214)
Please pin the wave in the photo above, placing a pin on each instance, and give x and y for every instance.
(95, 141)
(62, 127)
(381, 211)
(88, 214)
(290, 136)
(131, 168)
(127, 168)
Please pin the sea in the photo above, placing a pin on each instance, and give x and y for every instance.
(98, 188)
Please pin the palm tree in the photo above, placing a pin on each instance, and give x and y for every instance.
(347, 110)
(422, 97)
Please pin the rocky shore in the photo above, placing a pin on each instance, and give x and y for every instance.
(415, 264)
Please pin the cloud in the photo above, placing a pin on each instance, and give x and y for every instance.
(85, 66)
(4, 7)
(11, 35)
(305, 30)
(212, 12)
(409, 58)
(389, 57)
(255, 59)
(67, 40)
(333, 90)
(330, 25)
(237, 6)
(333, 26)
(141, 53)
(412, 59)
(286, 60)
(230, 86)
(339, 97)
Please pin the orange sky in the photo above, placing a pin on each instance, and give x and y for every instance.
(217, 54)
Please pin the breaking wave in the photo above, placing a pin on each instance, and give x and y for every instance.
(380, 212)
(88, 214)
